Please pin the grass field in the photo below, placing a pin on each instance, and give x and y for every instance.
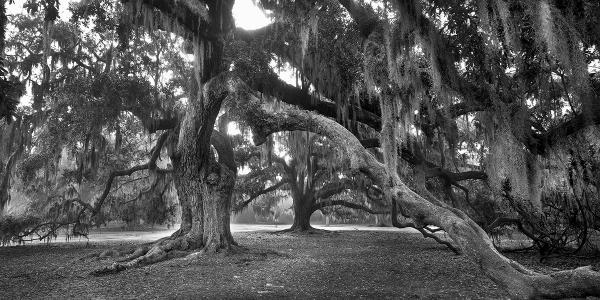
(347, 264)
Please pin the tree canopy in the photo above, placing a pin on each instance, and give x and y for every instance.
(461, 115)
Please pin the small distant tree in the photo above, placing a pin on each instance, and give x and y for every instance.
(310, 172)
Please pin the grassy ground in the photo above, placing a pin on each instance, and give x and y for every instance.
(350, 264)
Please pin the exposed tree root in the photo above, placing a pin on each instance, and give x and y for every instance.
(147, 254)
(232, 249)
(304, 231)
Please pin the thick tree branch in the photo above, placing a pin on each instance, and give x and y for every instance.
(289, 94)
(466, 234)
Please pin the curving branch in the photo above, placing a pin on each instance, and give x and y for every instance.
(272, 188)
(150, 165)
(468, 237)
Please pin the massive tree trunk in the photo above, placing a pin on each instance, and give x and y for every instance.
(204, 185)
(302, 212)
(471, 239)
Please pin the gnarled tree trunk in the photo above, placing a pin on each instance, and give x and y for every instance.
(217, 190)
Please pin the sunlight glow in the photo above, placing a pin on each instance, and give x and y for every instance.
(233, 129)
(249, 16)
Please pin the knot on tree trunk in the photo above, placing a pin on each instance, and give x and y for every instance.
(213, 179)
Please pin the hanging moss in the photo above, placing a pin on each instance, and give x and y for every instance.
(509, 166)
(508, 26)
(199, 53)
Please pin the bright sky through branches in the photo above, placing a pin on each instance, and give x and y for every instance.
(247, 15)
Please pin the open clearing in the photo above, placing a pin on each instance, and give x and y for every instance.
(347, 264)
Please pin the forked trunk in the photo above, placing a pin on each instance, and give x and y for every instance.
(217, 189)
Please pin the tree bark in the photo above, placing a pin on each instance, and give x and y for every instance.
(302, 213)
(217, 190)
(206, 187)
(184, 204)
(188, 174)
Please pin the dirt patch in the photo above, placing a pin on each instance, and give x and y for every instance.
(350, 264)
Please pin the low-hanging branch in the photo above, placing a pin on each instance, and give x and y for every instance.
(150, 165)
(327, 203)
(471, 239)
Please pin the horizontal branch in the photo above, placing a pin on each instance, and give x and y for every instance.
(348, 204)
(273, 86)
